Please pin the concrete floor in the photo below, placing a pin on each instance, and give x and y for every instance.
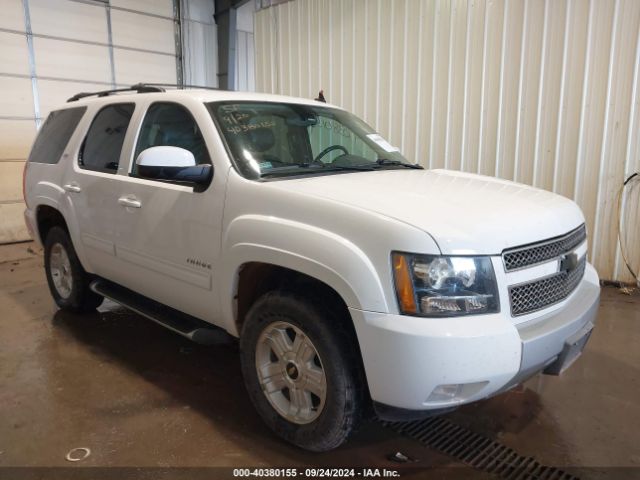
(138, 395)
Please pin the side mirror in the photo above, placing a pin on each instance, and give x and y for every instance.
(173, 164)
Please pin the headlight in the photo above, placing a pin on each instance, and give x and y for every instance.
(443, 286)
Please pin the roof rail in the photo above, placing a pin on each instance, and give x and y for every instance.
(182, 86)
(138, 88)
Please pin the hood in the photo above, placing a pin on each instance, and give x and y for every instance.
(464, 213)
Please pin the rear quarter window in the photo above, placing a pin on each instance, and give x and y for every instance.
(55, 134)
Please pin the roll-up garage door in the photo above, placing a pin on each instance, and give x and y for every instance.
(52, 49)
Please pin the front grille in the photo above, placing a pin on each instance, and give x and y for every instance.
(525, 256)
(539, 294)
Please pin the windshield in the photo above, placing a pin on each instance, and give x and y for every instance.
(269, 139)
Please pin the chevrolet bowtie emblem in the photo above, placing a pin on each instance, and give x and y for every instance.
(568, 262)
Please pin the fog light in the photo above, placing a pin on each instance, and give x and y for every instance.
(455, 393)
(444, 393)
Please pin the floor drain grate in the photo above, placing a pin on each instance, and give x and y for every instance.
(476, 450)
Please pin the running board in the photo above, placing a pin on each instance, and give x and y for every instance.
(193, 328)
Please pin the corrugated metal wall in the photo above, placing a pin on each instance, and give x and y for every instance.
(543, 92)
(245, 74)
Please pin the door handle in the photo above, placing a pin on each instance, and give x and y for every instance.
(130, 201)
(72, 187)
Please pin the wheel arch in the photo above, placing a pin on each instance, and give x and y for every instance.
(307, 250)
(256, 278)
(48, 217)
(49, 214)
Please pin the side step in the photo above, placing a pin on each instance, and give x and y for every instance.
(191, 327)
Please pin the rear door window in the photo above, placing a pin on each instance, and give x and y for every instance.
(103, 144)
(55, 135)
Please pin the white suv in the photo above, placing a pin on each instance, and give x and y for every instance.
(352, 277)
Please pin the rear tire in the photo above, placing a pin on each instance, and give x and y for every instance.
(68, 281)
(300, 370)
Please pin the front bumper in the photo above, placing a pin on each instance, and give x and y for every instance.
(407, 358)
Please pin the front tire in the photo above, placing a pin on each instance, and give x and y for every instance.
(68, 281)
(300, 371)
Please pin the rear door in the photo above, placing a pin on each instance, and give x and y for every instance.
(169, 234)
(92, 186)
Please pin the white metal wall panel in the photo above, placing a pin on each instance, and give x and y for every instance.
(544, 92)
(614, 138)
(13, 54)
(200, 43)
(16, 137)
(200, 11)
(143, 32)
(54, 93)
(251, 67)
(17, 125)
(133, 67)
(12, 221)
(17, 97)
(245, 53)
(201, 53)
(245, 62)
(72, 60)
(65, 19)
(11, 190)
(156, 7)
(12, 17)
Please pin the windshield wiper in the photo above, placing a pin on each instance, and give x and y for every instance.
(360, 168)
(397, 163)
(304, 168)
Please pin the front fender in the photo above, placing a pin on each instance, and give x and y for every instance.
(318, 253)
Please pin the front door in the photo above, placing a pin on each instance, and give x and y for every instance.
(168, 234)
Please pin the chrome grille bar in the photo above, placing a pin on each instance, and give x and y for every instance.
(532, 296)
(540, 252)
